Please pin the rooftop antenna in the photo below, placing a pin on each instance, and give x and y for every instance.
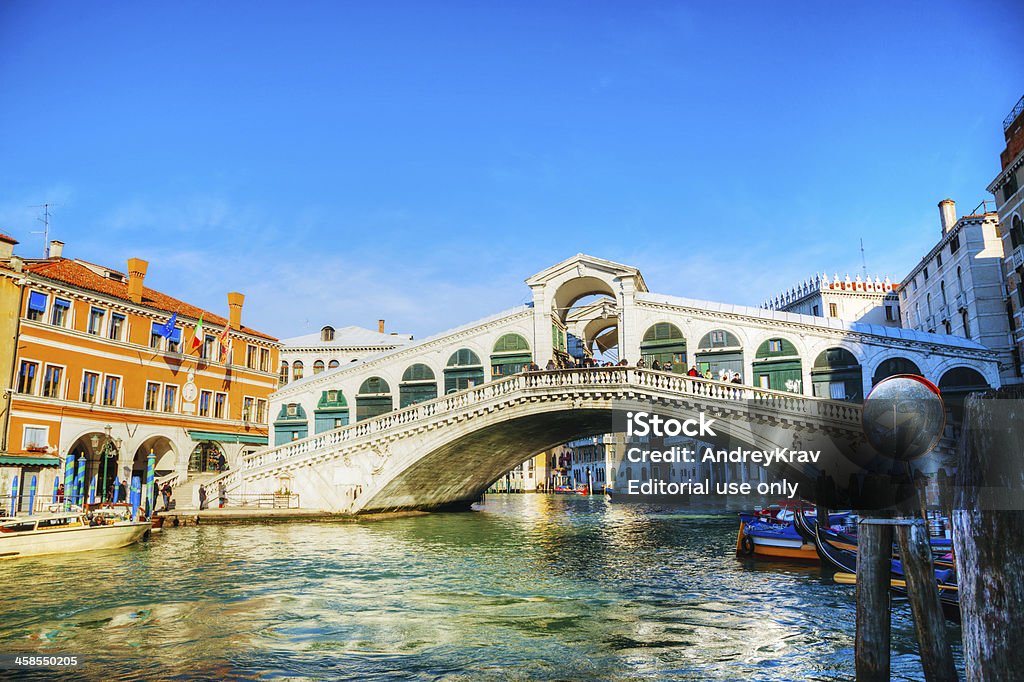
(45, 220)
(863, 261)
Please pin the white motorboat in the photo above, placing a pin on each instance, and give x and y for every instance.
(64, 532)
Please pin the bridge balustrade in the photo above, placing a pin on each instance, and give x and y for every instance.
(530, 381)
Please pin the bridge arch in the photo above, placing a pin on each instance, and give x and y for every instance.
(418, 384)
(463, 370)
(664, 342)
(577, 288)
(956, 384)
(374, 398)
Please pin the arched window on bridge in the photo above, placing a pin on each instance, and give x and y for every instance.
(318, 366)
(954, 386)
(290, 424)
(464, 370)
(894, 366)
(719, 350)
(837, 375)
(297, 370)
(282, 377)
(510, 354)
(331, 411)
(664, 342)
(333, 364)
(418, 385)
(373, 399)
(777, 366)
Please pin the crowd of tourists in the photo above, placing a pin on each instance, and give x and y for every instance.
(667, 366)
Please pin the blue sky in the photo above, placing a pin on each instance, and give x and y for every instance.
(416, 161)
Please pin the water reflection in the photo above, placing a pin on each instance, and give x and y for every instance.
(525, 587)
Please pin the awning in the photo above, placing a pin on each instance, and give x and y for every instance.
(221, 437)
(30, 461)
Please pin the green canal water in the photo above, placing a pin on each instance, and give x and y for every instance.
(528, 587)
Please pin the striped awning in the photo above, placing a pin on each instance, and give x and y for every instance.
(29, 461)
(226, 437)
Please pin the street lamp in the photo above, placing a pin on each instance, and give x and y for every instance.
(111, 446)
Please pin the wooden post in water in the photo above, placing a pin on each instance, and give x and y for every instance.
(988, 527)
(874, 553)
(929, 623)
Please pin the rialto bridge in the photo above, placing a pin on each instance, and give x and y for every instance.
(435, 422)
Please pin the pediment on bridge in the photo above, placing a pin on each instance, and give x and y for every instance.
(583, 266)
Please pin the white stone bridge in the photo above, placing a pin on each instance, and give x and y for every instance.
(445, 452)
(434, 422)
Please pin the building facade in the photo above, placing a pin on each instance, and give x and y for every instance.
(1010, 208)
(856, 300)
(957, 289)
(333, 348)
(108, 370)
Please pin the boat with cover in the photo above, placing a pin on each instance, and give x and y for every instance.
(772, 534)
(64, 532)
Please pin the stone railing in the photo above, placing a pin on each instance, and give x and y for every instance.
(527, 383)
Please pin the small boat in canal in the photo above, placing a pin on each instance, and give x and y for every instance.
(773, 534)
(65, 532)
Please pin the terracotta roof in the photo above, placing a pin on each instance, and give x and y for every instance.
(7, 238)
(76, 274)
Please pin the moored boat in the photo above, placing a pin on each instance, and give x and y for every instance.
(773, 534)
(64, 532)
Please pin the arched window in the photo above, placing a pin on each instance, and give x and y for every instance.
(1016, 232)
(331, 411)
(894, 366)
(777, 366)
(510, 354)
(942, 288)
(373, 399)
(418, 385)
(318, 366)
(297, 369)
(464, 371)
(837, 375)
(928, 300)
(959, 281)
(333, 364)
(664, 343)
(282, 377)
(327, 334)
(966, 322)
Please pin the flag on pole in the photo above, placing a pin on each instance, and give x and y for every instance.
(197, 337)
(167, 330)
(225, 343)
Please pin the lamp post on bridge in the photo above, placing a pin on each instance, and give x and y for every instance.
(111, 448)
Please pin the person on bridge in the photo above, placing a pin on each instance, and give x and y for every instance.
(736, 379)
(640, 364)
(623, 362)
(667, 367)
(202, 496)
(550, 366)
(693, 372)
(656, 366)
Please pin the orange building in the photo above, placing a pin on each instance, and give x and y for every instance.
(98, 372)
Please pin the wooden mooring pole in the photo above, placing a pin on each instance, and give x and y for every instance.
(929, 622)
(874, 624)
(988, 532)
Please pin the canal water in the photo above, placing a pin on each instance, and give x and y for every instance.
(530, 587)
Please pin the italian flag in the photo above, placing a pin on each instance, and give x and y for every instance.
(197, 337)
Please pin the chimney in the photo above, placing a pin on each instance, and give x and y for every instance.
(380, 326)
(136, 273)
(235, 301)
(6, 246)
(56, 248)
(947, 214)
